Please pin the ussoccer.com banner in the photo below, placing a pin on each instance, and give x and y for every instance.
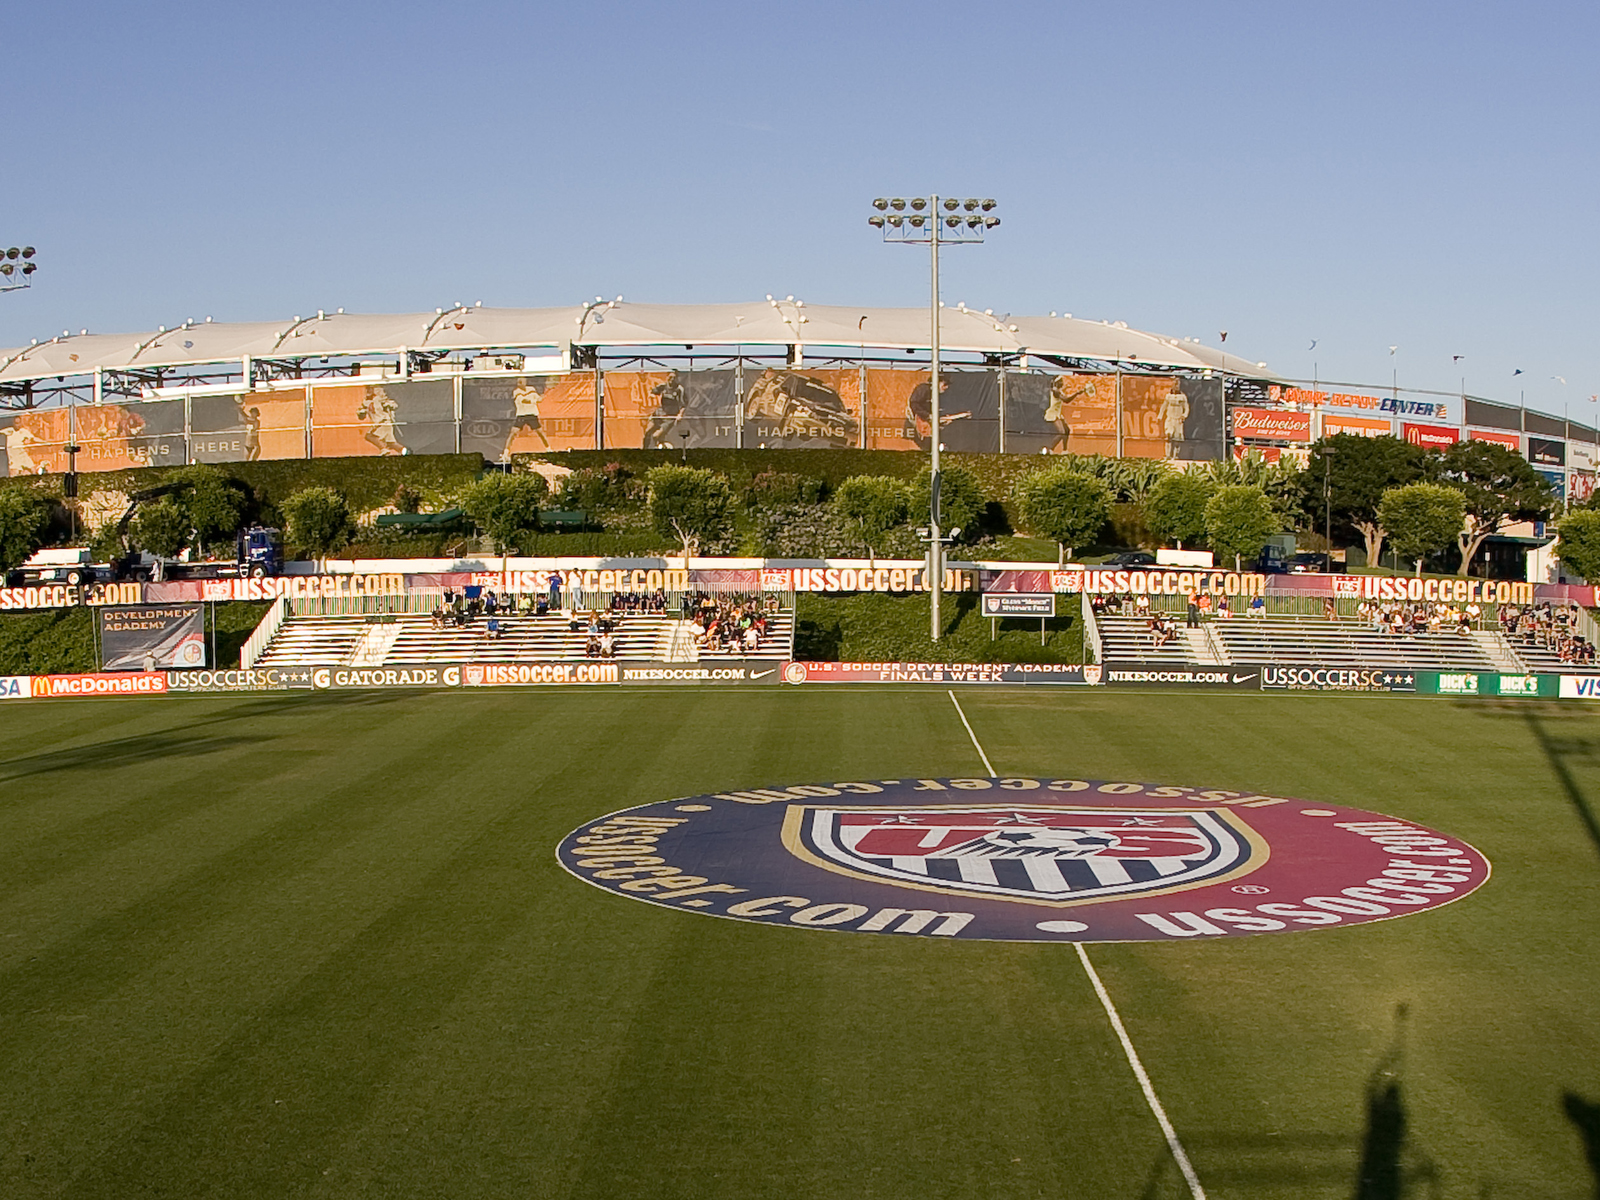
(591, 671)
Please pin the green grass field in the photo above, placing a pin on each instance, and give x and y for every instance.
(319, 946)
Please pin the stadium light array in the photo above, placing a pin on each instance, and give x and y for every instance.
(934, 222)
(17, 268)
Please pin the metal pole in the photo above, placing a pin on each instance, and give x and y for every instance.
(1327, 509)
(1118, 414)
(1000, 402)
(935, 546)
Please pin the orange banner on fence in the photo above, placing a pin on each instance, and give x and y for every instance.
(1332, 425)
(1085, 408)
(899, 410)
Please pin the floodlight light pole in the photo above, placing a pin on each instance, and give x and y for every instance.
(968, 228)
(17, 268)
(935, 542)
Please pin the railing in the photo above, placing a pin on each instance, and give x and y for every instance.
(256, 644)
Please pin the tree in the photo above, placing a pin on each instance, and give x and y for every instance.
(319, 521)
(1239, 520)
(1358, 471)
(162, 527)
(1176, 508)
(1058, 503)
(1579, 545)
(24, 520)
(1498, 487)
(1421, 518)
(961, 500)
(505, 506)
(213, 503)
(690, 504)
(872, 505)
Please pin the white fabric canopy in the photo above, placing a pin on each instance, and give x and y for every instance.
(668, 326)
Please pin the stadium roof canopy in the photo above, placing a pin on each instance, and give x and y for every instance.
(753, 326)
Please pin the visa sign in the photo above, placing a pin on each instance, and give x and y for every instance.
(1580, 687)
(15, 687)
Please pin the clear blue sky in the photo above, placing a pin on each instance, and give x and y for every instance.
(1368, 175)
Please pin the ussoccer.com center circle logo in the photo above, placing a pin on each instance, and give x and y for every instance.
(1023, 859)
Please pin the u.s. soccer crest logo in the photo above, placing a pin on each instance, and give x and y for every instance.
(1022, 858)
(1054, 856)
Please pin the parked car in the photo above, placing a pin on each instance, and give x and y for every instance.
(1307, 564)
(1131, 558)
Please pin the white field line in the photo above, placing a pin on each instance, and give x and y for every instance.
(1179, 1155)
(987, 765)
(1167, 1131)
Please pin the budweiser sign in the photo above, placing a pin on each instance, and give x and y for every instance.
(1271, 424)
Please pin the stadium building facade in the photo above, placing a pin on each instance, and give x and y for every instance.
(769, 374)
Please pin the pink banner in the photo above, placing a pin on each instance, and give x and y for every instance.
(1271, 424)
(1432, 437)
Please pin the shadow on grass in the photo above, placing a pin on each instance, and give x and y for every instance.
(1387, 1164)
(188, 740)
(1585, 1118)
(121, 752)
(1562, 750)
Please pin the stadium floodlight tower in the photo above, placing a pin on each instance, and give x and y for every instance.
(934, 222)
(16, 268)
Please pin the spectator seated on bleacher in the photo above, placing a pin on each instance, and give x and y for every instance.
(437, 617)
(494, 630)
(591, 647)
(608, 645)
(1162, 630)
(1257, 608)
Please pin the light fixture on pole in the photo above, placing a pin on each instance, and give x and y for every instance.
(930, 221)
(17, 268)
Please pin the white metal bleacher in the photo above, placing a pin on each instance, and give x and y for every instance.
(1317, 640)
(1300, 640)
(402, 639)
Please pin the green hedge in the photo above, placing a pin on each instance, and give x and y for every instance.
(61, 640)
(996, 473)
(872, 627)
(367, 483)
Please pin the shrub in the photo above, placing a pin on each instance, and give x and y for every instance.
(213, 503)
(690, 504)
(1239, 520)
(1421, 518)
(162, 527)
(1175, 509)
(871, 505)
(319, 521)
(599, 488)
(506, 507)
(24, 518)
(1579, 546)
(783, 487)
(961, 500)
(1068, 508)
